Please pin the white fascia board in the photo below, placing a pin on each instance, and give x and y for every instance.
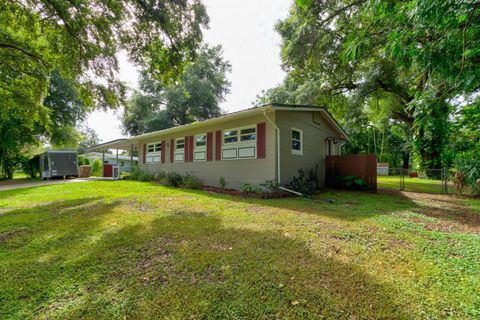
(200, 124)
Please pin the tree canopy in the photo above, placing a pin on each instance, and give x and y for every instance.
(42, 41)
(196, 96)
(403, 61)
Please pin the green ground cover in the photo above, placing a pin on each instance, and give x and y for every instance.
(414, 184)
(133, 250)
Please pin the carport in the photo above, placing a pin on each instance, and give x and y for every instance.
(118, 144)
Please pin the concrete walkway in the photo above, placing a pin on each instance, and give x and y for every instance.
(39, 183)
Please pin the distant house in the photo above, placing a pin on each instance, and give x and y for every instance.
(271, 142)
(125, 162)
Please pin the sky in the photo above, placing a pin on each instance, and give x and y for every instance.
(245, 29)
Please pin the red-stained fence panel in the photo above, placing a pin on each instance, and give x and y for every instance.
(360, 165)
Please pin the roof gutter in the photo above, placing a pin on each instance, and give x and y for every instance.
(199, 124)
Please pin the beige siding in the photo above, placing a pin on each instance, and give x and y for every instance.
(315, 129)
(236, 172)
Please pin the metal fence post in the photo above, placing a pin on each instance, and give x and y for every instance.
(402, 179)
(445, 180)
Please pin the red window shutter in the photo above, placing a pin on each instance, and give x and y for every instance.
(186, 149)
(192, 145)
(163, 151)
(144, 153)
(218, 145)
(261, 140)
(209, 146)
(172, 149)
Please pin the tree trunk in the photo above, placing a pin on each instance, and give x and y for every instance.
(381, 147)
(406, 160)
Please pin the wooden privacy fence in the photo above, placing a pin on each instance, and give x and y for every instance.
(363, 166)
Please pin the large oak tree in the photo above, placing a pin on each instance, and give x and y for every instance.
(415, 56)
(80, 39)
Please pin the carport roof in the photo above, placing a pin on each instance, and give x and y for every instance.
(123, 144)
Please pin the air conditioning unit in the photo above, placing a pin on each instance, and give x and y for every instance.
(116, 172)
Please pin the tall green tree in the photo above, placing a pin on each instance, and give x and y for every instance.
(196, 96)
(66, 111)
(415, 55)
(81, 40)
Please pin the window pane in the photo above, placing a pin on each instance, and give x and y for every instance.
(248, 137)
(296, 145)
(295, 134)
(180, 143)
(248, 130)
(231, 139)
(229, 133)
(201, 141)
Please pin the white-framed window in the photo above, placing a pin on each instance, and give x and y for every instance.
(239, 143)
(297, 141)
(180, 150)
(200, 149)
(154, 152)
(239, 135)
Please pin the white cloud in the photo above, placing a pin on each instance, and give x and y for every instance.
(245, 29)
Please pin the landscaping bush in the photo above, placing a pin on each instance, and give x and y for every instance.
(159, 176)
(170, 178)
(469, 164)
(305, 182)
(222, 182)
(250, 188)
(82, 161)
(192, 182)
(140, 175)
(272, 185)
(31, 167)
(355, 183)
(97, 168)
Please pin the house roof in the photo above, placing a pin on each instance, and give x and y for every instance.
(242, 114)
(127, 143)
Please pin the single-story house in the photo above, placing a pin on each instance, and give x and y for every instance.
(125, 162)
(270, 142)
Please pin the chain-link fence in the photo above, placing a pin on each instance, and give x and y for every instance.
(428, 181)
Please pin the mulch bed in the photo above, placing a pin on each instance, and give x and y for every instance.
(261, 195)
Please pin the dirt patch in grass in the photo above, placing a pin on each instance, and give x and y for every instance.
(154, 262)
(450, 212)
(10, 235)
(446, 221)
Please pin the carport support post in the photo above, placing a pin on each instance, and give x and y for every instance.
(131, 158)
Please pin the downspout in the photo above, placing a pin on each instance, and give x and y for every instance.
(277, 130)
(341, 144)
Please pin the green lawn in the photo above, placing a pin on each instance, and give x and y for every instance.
(133, 250)
(414, 184)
